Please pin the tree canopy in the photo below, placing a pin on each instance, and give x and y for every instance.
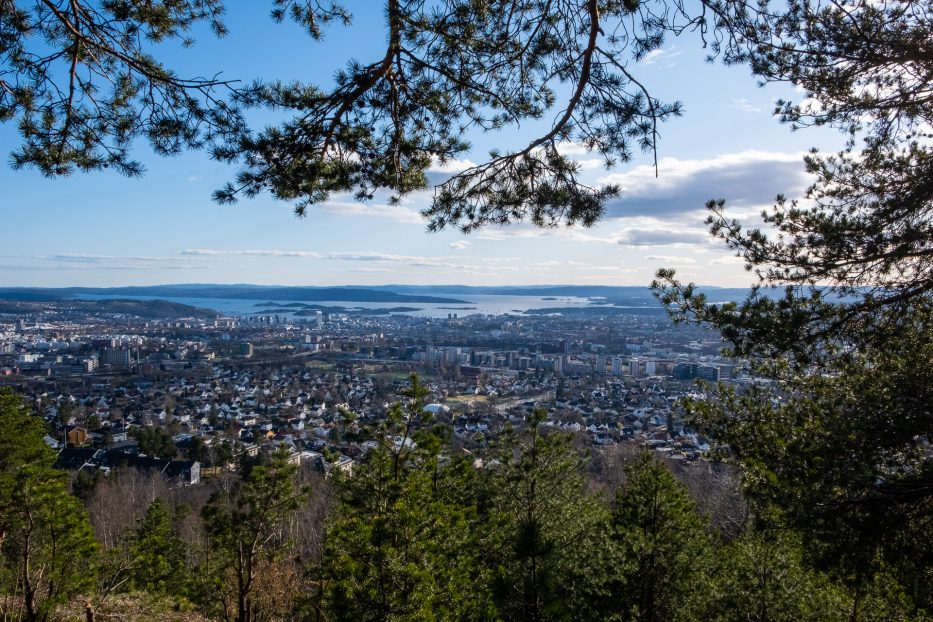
(82, 80)
(854, 253)
(46, 548)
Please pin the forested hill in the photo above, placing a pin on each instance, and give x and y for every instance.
(632, 295)
(243, 292)
(145, 309)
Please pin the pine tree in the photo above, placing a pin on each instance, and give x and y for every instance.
(664, 545)
(396, 547)
(549, 549)
(762, 577)
(448, 69)
(245, 532)
(852, 257)
(843, 460)
(158, 554)
(48, 549)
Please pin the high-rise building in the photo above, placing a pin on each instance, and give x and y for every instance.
(116, 357)
(685, 371)
(617, 366)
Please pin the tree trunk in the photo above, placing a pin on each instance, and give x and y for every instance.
(29, 590)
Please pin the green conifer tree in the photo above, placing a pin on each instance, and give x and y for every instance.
(663, 542)
(48, 549)
(158, 554)
(245, 533)
(396, 549)
(762, 577)
(549, 551)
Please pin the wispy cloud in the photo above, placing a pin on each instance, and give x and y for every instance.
(671, 259)
(513, 232)
(459, 244)
(86, 261)
(727, 261)
(666, 55)
(415, 261)
(452, 165)
(403, 212)
(740, 103)
(661, 237)
(372, 256)
(209, 252)
(450, 265)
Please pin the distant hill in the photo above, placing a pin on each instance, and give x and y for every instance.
(240, 292)
(32, 294)
(147, 309)
(622, 296)
(144, 309)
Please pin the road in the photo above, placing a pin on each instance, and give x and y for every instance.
(504, 406)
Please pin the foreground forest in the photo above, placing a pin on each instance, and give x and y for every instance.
(536, 529)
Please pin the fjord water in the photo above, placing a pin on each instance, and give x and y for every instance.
(476, 304)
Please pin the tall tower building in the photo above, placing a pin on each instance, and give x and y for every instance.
(616, 366)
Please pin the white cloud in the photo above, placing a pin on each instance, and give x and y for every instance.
(372, 256)
(459, 244)
(513, 232)
(569, 148)
(654, 56)
(451, 166)
(202, 252)
(661, 237)
(86, 261)
(396, 213)
(208, 252)
(591, 164)
(727, 261)
(740, 103)
(671, 259)
(745, 179)
(414, 261)
(612, 269)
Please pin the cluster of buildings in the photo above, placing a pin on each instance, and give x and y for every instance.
(189, 396)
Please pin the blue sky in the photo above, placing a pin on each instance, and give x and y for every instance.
(104, 230)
